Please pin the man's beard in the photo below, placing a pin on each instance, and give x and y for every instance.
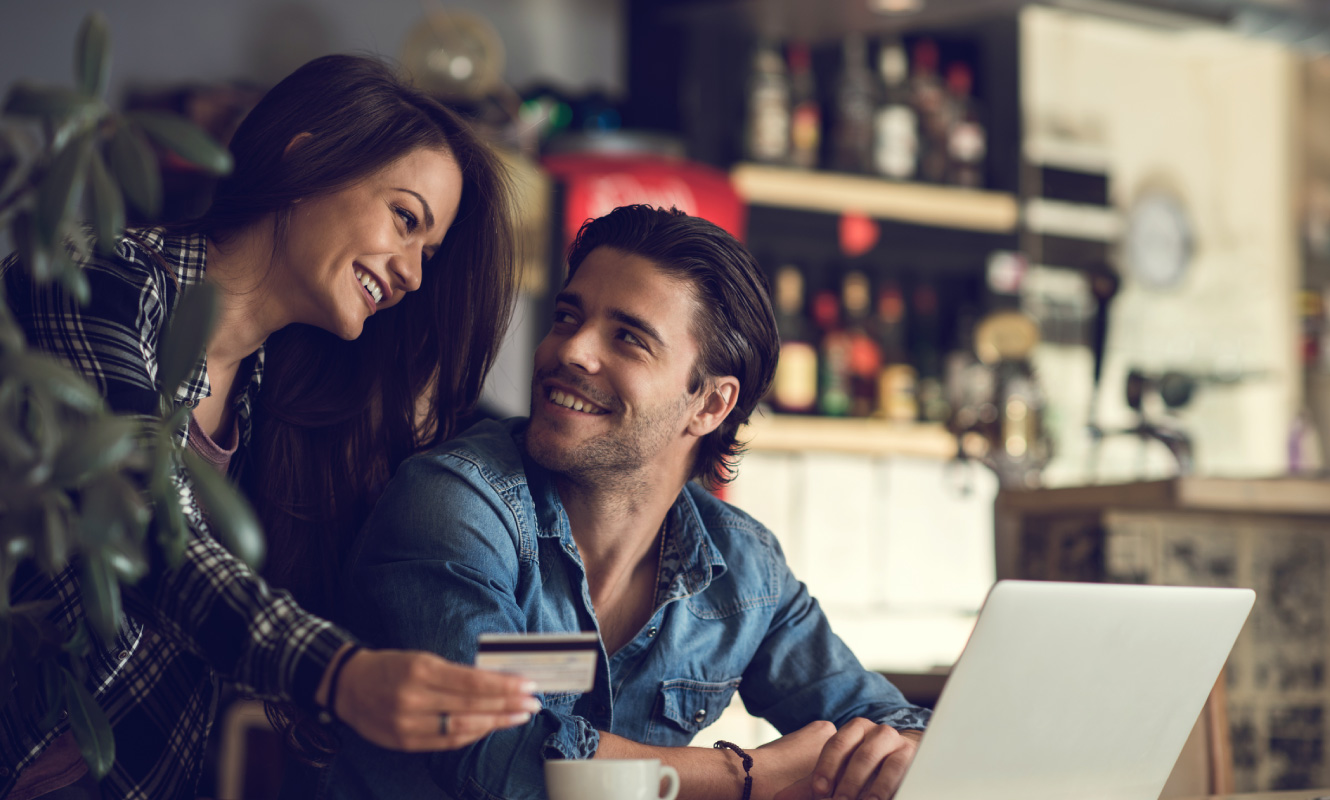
(610, 458)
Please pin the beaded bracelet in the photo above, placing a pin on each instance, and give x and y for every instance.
(328, 714)
(747, 762)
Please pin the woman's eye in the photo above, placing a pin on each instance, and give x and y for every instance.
(408, 219)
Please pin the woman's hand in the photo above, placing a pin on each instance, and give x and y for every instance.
(397, 699)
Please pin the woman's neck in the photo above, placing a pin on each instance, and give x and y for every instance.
(248, 311)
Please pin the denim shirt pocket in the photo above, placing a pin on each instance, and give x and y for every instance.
(686, 707)
(560, 702)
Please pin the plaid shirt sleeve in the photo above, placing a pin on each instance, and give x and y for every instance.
(212, 604)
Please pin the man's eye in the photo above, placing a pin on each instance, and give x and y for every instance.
(631, 338)
(408, 219)
(562, 317)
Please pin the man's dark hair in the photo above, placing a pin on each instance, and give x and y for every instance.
(735, 325)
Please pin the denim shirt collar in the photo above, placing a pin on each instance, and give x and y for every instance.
(693, 556)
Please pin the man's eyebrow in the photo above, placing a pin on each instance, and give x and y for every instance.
(619, 315)
(639, 323)
(429, 213)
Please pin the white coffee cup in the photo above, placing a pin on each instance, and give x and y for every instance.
(610, 779)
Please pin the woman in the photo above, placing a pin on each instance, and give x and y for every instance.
(344, 187)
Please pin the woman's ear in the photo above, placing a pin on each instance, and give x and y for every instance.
(719, 396)
(296, 142)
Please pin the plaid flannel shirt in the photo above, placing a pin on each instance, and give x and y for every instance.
(211, 617)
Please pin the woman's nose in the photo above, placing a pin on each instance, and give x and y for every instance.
(406, 269)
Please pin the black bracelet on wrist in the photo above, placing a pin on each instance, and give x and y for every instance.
(747, 761)
(328, 714)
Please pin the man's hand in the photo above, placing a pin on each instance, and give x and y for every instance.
(863, 760)
(793, 756)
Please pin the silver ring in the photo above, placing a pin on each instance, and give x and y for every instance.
(443, 724)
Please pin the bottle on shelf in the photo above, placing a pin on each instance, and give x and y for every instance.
(895, 123)
(927, 358)
(896, 376)
(852, 129)
(794, 388)
(805, 110)
(865, 355)
(928, 97)
(833, 356)
(967, 141)
(767, 124)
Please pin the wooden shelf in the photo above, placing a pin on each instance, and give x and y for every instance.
(1291, 496)
(836, 193)
(791, 433)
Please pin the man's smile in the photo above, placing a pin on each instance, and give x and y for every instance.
(569, 400)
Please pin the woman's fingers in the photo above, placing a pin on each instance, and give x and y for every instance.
(461, 730)
(396, 699)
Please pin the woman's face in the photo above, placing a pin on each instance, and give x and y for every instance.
(357, 251)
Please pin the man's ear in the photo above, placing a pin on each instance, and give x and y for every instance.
(296, 141)
(719, 396)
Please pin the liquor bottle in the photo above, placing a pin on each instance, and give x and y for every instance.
(852, 133)
(966, 140)
(865, 355)
(927, 355)
(767, 126)
(929, 100)
(896, 376)
(794, 388)
(895, 123)
(833, 356)
(805, 111)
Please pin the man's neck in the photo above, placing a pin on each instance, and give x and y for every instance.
(617, 529)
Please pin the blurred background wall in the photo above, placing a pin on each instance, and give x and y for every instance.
(578, 43)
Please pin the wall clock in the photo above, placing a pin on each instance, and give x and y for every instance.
(1159, 243)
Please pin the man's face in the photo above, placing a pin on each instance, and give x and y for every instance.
(609, 396)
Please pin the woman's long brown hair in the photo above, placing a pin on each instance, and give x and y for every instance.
(335, 418)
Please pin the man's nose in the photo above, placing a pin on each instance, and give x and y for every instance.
(581, 350)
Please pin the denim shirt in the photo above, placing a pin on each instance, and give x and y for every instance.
(472, 538)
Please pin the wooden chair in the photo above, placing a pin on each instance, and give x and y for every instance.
(1206, 764)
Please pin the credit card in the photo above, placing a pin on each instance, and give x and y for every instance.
(556, 662)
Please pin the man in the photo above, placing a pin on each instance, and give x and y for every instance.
(585, 518)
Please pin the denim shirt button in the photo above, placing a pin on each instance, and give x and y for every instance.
(651, 632)
(700, 716)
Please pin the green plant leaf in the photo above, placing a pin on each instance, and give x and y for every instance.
(108, 207)
(32, 253)
(101, 594)
(53, 692)
(60, 189)
(98, 446)
(229, 515)
(75, 282)
(92, 59)
(171, 530)
(135, 166)
(182, 343)
(54, 536)
(184, 139)
(54, 378)
(51, 102)
(92, 730)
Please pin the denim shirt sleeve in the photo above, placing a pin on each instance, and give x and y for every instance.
(441, 562)
(802, 671)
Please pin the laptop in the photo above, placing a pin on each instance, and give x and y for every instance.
(1075, 691)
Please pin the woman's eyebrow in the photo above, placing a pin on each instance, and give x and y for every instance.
(429, 213)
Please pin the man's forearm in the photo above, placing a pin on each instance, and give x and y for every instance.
(704, 773)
